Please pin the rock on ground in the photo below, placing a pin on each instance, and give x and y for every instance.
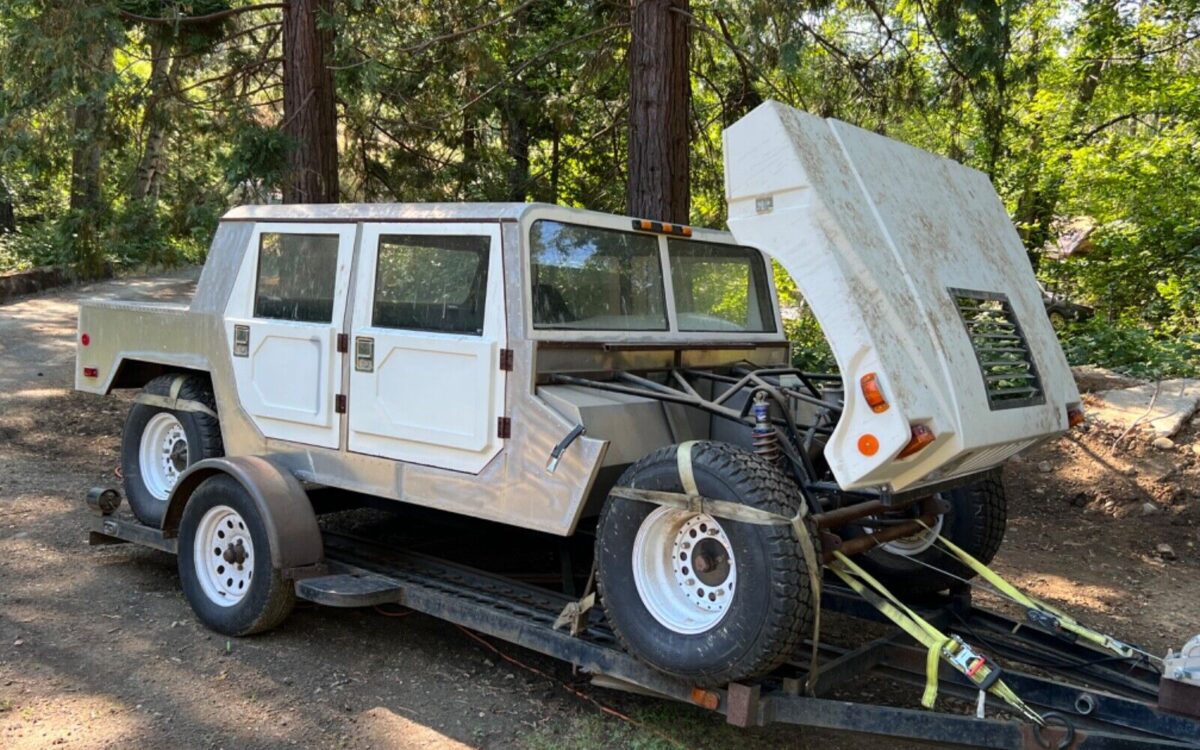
(1174, 405)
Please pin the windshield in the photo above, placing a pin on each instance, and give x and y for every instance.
(593, 279)
(720, 288)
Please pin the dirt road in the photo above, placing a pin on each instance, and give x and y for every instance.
(99, 649)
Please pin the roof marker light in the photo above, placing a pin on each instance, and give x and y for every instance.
(873, 393)
(662, 227)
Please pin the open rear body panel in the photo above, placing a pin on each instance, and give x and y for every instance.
(914, 270)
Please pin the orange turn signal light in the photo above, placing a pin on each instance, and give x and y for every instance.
(921, 437)
(873, 393)
(1075, 417)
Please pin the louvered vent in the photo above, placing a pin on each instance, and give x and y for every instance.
(1009, 373)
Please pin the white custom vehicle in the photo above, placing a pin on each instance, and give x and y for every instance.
(567, 372)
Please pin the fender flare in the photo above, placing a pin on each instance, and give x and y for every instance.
(282, 503)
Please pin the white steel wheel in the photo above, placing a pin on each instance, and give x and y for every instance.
(684, 570)
(223, 556)
(162, 454)
(915, 544)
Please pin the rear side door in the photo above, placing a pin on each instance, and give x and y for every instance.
(428, 327)
(282, 322)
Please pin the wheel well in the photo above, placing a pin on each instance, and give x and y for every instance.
(280, 498)
(135, 373)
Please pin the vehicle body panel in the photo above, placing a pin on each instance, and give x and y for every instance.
(878, 235)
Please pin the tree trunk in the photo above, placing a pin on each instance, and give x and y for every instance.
(659, 97)
(164, 71)
(516, 137)
(309, 114)
(8, 218)
(86, 151)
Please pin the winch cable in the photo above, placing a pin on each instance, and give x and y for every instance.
(1039, 612)
(982, 673)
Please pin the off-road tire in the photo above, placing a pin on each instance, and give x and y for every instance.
(203, 433)
(270, 598)
(977, 525)
(771, 609)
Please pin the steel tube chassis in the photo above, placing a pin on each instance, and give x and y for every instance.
(1101, 703)
(798, 437)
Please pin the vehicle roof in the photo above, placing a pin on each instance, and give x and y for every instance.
(380, 212)
(343, 212)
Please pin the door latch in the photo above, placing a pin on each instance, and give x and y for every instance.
(364, 354)
(339, 403)
(241, 340)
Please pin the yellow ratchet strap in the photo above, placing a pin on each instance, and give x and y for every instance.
(1057, 618)
(939, 645)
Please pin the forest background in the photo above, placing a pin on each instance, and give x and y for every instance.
(127, 127)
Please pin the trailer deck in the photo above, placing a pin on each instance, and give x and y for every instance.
(1090, 699)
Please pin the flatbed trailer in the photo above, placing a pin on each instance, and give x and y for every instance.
(1088, 698)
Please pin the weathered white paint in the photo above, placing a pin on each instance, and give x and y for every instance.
(875, 232)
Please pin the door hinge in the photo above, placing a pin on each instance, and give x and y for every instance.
(339, 403)
(506, 360)
(343, 343)
(504, 427)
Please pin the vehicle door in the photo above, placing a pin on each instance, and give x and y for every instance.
(428, 327)
(287, 307)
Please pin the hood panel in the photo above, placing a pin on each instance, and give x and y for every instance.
(887, 242)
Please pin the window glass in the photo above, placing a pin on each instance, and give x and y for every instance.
(296, 277)
(431, 283)
(720, 288)
(586, 278)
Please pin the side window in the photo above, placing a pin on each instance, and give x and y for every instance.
(720, 288)
(296, 277)
(431, 283)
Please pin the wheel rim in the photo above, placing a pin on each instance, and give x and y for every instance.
(684, 570)
(907, 546)
(163, 454)
(223, 555)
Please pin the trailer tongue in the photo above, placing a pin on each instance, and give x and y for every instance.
(915, 272)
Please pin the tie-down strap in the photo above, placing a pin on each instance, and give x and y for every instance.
(172, 400)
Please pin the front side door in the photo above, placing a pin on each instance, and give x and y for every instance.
(428, 327)
(282, 322)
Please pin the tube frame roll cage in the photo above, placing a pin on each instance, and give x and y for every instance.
(819, 493)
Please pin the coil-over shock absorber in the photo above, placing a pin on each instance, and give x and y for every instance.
(766, 439)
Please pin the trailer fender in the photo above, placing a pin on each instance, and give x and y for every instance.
(281, 500)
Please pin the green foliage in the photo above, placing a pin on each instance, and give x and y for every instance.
(1074, 108)
(1132, 348)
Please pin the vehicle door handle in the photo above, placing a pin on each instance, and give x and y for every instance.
(241, 340)
(364, 354)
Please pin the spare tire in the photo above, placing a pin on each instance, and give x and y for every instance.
(160, 442)
(707, 599)
(916, 566)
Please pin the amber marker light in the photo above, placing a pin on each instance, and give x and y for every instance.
(868, 445)
(1075, 417)
(873, 393)
(921, 437)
